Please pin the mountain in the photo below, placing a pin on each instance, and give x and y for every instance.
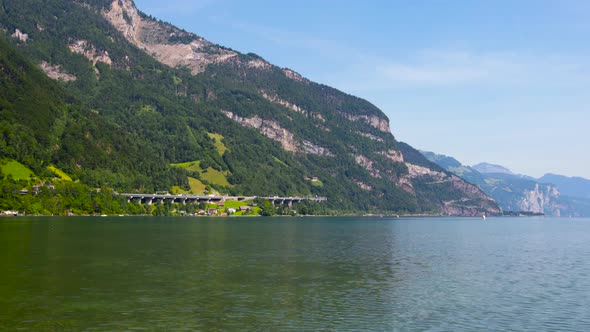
(487, 168)
(516, 192)
(144, 106)
(569, 186)
(443, 161)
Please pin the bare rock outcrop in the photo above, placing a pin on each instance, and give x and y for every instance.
(259, 64)
(274, 131)
(309, 147)
(372, 120)
(362, 185)
(405, 184)
(393, 155)
(88, 50)
(370, 136)
(367, 164)
(415, 171)
(277, 100)
(56, 72)
(273, 98)
(20, 35)
(294, 75)
(539, 200)
(160, 40)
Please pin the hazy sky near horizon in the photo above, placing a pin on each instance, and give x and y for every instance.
(505, 82)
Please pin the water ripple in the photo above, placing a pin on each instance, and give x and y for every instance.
(345, 274)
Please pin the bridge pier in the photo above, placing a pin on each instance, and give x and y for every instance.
(158, 198)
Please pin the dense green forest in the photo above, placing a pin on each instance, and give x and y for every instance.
(129, 123)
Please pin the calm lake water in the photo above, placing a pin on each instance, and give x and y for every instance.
(437, 274)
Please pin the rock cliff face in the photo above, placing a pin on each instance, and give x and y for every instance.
(367, 164)
(90, 52)
(375, 121)
(275, 99)
(23, 37)
(274, 131)
(294, 75)
(541, 199)
(393, 155)
(169, 45)
(56, 72)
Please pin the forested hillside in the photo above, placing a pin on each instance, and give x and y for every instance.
(115, 98)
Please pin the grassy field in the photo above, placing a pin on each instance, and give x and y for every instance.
(280, 162)
(193, 166)
(177, 190)
(317, 183)
(17, 170)
(211, 175)
(221, 148)
(215, 177)
(59, 173)
(234, 204)
(197, 187)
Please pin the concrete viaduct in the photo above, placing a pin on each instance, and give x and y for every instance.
(151, 198)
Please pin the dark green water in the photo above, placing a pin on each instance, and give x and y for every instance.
(444, 274)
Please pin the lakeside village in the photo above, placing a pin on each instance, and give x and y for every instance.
(47, 199)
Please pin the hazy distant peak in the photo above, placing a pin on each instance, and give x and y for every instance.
(441, 159)
(487, 168)
(569, 186)
(553, 176)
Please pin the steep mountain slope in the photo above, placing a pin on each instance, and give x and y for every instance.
(41, 124)
(515, 192)
(228, 120)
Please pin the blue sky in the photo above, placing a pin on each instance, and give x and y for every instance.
(505, 82)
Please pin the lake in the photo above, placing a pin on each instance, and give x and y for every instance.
(185, 274)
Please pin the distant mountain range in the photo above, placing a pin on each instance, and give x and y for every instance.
(554, 195)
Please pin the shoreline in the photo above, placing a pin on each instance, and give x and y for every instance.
(395, 216)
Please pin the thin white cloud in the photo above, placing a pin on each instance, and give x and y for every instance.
(499, 69)
(362, 70)
(431, 74)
